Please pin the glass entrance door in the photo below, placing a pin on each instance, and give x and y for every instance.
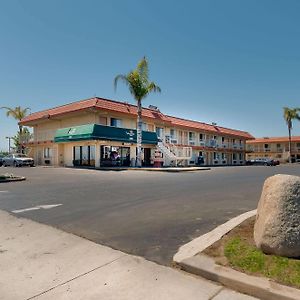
(84, 156)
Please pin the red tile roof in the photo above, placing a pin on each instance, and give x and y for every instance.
(126, 108)
(274, 140)
(209, 128)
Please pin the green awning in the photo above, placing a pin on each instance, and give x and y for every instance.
(101, 132)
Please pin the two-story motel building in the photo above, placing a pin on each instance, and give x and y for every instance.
(99, 132)
(274, 148)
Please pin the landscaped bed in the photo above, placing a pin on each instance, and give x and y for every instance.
(10, 177)
(237, 250)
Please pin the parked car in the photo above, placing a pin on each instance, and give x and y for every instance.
(263, 162)
(17, 160)
(1, 161)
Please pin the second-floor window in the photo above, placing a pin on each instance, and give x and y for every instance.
(201, 137)
(115, 122)
(159, 132)
(144, 126)
(223, 139)
(191, 136)
(172, 133)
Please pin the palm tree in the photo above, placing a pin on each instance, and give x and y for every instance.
(18, 113)
(19, 140)
(289, 115)
(139, 87)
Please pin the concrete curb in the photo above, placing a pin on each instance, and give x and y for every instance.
(259, 287)
(201, 243)
(13, 179)
(170, 170)
(206, 267)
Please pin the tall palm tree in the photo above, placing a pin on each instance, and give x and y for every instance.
(139, 87)
(289, 115)
(18, 113)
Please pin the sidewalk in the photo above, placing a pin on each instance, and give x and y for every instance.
(41, 262)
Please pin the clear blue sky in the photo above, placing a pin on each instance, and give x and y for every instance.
(233, 62)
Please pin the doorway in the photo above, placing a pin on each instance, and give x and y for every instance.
(147, 157)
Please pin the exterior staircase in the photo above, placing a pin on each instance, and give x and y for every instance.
(174, 155)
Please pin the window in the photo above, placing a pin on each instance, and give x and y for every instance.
(191, 136)
(115, 122)
(266, 146)
(223, 139)
(201, 136)
(298, 145)
(84, 155)
(47, 152)
(172, 133)
(215, 155)
(234, 156)
(144, 126)
(278, 145)
(241, 156)
(223, 156)
(215, 137)
(160, 132)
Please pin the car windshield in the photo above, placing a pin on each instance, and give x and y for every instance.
(20, 155)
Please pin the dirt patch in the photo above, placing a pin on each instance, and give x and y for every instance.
(244, 231)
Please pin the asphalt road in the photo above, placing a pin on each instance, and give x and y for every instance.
(149, 214)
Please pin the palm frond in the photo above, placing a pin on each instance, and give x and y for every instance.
(119, 77)
(152, 87)
(143, 69)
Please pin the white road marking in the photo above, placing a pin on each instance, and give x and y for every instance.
(4, 191)
(36, 208)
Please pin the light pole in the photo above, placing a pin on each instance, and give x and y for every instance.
(9, 147)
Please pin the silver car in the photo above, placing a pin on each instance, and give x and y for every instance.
(17, 160)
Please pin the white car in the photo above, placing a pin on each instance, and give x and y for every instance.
(17, 160)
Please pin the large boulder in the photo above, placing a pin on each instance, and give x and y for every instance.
(277, 225)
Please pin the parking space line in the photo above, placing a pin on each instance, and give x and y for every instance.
(47, 206)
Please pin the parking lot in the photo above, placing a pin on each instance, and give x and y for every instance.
(149, 214)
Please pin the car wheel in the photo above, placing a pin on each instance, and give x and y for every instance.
(31, 166)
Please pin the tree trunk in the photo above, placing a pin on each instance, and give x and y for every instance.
(139, 134)
(290, 144)
(20, 150)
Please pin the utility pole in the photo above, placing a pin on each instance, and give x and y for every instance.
(9, 146)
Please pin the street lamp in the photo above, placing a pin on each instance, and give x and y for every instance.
(9, 147)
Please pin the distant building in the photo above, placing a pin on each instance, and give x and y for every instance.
(100, 132)
(274, 148)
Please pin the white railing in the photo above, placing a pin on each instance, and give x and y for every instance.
(174, 153)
